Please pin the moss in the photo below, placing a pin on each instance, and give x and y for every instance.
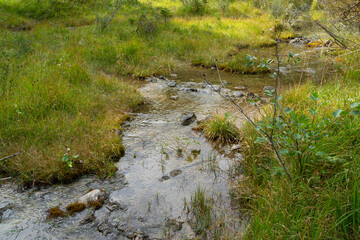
(96, 204)
(55, 212)
(315, 44)
(75, 207)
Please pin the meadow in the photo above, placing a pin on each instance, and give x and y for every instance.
(69, 73)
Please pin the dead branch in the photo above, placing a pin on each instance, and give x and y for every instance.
(4, 179)
(335, 38)
(13, 155)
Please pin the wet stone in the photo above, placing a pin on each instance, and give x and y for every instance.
(164, 178)
(175, 172)
(6, 215)
(151, 79)
(172, 84)
(89, 218)
(173, 75)
(92, 196)
(5, 210)
(173, 224)
(4, 207)
(105, 228)
(137, 236)
(216, 88)
(240, 88)
(193, 90)
(187, 118)
(239, 94)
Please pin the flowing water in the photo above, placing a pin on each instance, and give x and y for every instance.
(155, 179)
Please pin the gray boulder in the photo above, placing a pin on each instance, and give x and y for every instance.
(187, 118)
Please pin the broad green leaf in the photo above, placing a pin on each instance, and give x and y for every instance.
(65, 158)
(273, 75)
(269, 92)
(313, 111)
(314, 96)
(287, 110)
(355, 112)
(75, 156)
(337, 113)
(354, 105)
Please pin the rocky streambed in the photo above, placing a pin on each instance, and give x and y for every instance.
(165, 163)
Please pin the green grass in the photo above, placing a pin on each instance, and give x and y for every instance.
(220, 129)
(323, 202)
(51, 99)
(63, 78)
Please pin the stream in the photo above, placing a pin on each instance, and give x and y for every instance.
(147, 198)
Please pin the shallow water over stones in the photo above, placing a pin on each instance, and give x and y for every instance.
(165, 163)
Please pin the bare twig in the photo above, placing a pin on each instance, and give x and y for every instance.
(336, 38)
(13, 155)
(4, 179)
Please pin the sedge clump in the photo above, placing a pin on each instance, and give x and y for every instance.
(220, 129)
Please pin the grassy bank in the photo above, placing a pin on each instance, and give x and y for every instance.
(323, 201)
(63, 66)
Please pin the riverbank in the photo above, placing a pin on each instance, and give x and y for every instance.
(322, 202)
(63, 94)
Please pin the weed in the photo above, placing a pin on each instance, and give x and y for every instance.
(201, 208)
(221, 129)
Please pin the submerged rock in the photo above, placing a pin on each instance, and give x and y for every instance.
(173, 224)
(164, 178)
(175, 172)
(5, 210)
(105, 228)
(187, 118)
(216, 88)
(172, 84)
(93, 196)
(239, 94)
(151, 79)
(137, 236)
(89, 218)
(240, 88)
